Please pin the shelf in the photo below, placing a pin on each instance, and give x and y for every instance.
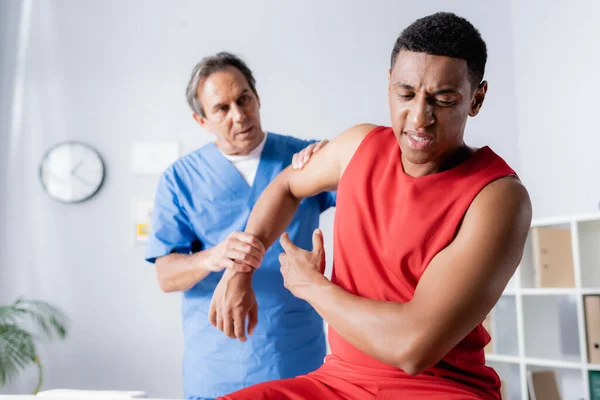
(540, 362)
(503, 359)
(555, 292)
(547, 331)
(548, 291)
(590, 291)
(593, 367)
(564, 219)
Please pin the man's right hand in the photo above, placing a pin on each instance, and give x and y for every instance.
(239, 252)
(232, 303)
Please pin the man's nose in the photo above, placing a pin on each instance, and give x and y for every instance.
(421, 113)
(238, 114)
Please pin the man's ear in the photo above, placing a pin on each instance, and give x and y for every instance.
(478, 98)
(389, 79)
(202, 121)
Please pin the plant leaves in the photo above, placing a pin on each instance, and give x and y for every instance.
(50, 319)
(17, 347)
(17, 350)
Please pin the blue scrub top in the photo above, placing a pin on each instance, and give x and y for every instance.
(200, 200)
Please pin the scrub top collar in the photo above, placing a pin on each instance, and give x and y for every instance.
(239, 188)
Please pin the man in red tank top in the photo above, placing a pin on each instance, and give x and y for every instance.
(428, 231)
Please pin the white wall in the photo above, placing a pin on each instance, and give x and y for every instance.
(114, 72)
(557, 84)
(9, 27)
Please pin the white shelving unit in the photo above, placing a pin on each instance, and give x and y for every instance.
(536, 329)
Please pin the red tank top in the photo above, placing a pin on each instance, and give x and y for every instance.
(389, 226)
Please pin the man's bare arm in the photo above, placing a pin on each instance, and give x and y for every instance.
(239, 252)
(232, 300)
(179, 272)
(277, 205)
(457, 290)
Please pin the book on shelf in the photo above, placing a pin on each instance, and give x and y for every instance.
(594, 385)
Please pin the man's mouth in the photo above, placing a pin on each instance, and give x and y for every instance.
(419, 141)
(245, 131)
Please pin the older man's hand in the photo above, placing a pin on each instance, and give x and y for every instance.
(300, 159)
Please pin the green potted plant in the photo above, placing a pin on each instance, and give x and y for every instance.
(21, 325)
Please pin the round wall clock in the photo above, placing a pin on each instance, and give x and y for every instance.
(71, 172)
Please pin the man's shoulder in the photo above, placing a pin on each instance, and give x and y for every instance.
(505, 188)
(346, 144)
(501, 200)
(360, 131)
(497, 182)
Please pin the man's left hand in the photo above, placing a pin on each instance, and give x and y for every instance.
(302, 269)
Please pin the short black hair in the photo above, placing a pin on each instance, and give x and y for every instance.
(445, 34)
(208, 66)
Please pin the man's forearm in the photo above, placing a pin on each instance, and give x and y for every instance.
(269, 217)
(378, 328)
(273, 211)
(179, 272)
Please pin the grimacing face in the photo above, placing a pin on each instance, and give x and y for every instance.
(430, 98)
(232, 111)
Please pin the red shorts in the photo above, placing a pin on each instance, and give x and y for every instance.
(342, 381)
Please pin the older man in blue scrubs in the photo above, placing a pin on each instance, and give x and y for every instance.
(244, 335)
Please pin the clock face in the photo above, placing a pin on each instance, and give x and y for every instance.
(72, 172)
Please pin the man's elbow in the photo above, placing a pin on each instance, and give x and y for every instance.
(165, 282)
(415, 358)
(166, 285)
(285, 184)
(411, 367)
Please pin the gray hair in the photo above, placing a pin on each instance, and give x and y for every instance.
(210, 65)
